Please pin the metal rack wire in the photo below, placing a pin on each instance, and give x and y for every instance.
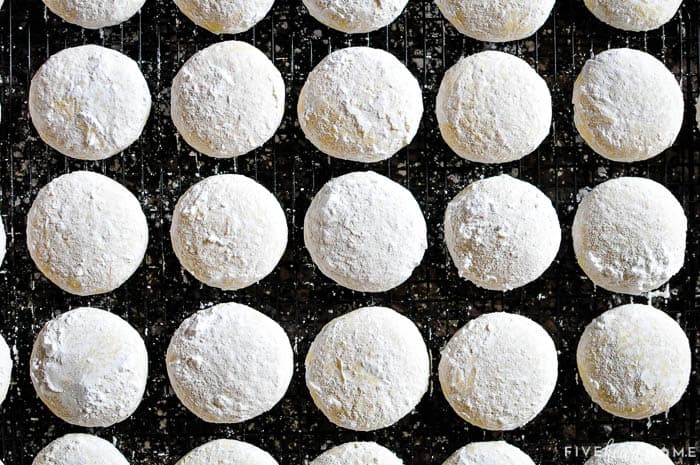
(159, 167)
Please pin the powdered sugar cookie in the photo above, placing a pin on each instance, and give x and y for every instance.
(86, 233)
(95, 14)
(499, 371)
(489, 453)
(360, 104)
(365, 232)
(89, 367)
(79, 449)
(357, 453)
(227, 451)
(225, 16)
(355, 16)
(89, 102)
(496, 20)
(634, 361)
(367, 369)
(627, 105)
(502, 233)
(227, 100)
(633, 15)
(229, 363)
(629, 235)
(228, 231)
(493, 108)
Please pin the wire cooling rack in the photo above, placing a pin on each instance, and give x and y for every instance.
(160, 166)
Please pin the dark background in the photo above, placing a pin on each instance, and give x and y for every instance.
(160, 167)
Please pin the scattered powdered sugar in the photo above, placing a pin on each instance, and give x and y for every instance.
(630, 453)
(355, 16)
(498, 371)
(360, 104)
(629, 235)
(79, 449)
(627, 105)
(365, 232)
(95, 14)
(229, 363)
(227, 99)
(634, 16)
(89, 367)
(489, 453)
(501, 232)
(357, 453)
(496, 20)
(634, 361)
(89, 102)
(227, 451)
(492, 107)
(86, 233)
(228, 231)
(225, 16)
(367, 369)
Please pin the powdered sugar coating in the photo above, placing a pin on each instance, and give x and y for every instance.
(365, 232)
(3, 242)
(229, 363)
(634, 15)
(496, 20)
(89, 102)
(493, 108)
(86, 233)
(227, 99)
(79, 449)
(228, 231)
(5, 369)
(225, 16)
(489, 453)
(95, 14)
(629, 235)
(502, 233)
(367, 369)
(627, 105)
(634, 361)
(227, 451)
(499, 371)
(89, 367)
(630, 453)
(355, 16)
(360, 104)
(357, 453)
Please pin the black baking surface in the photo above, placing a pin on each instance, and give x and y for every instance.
(160, 167)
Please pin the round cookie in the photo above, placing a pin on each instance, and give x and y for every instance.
(499, 371)
(629, 235)
(502, 233)
(496, 20)
(365, 232)
(357, 453)
(634, 361)
(492, 107)
(227, 99)
(634, 15)
(5, 370)
(79, 449)
(229, 363)
(489, 453)
(227, 451)
(225, 16)
(360, 104)
(228, 231)
(367, 369)
(89, 102)
(95, 14)
(89, 367)
(627, 105)
(86, 233)
(630, 453)
(355, 16)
